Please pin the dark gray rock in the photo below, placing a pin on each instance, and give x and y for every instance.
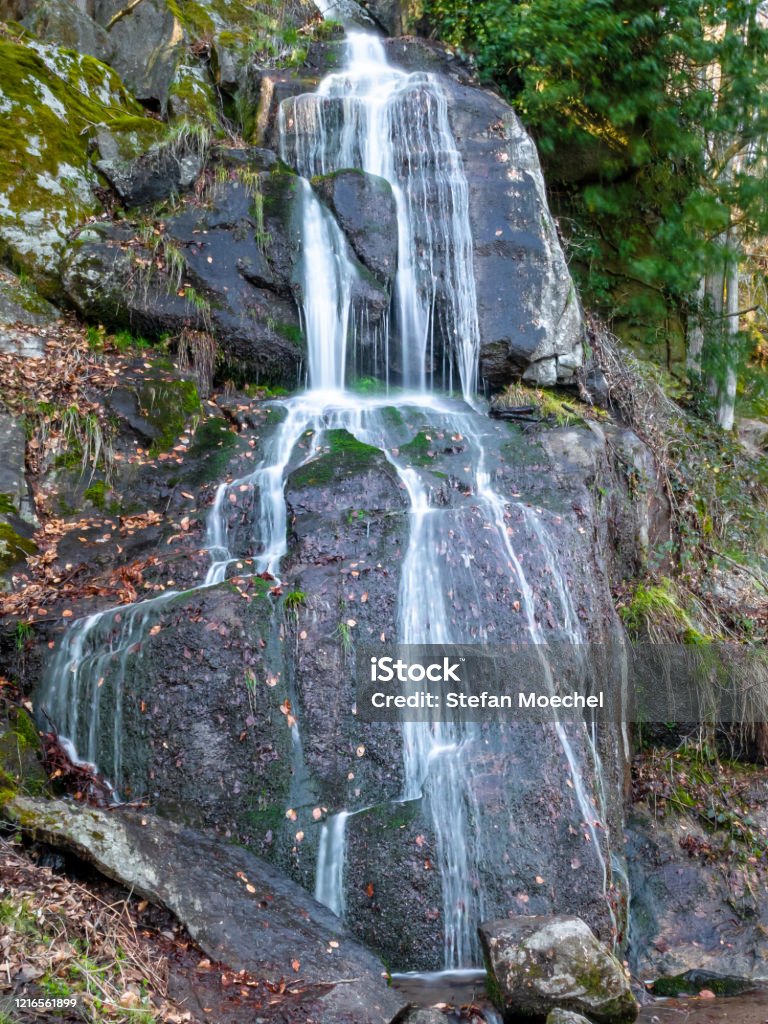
(20, 304)
(148, 177)
(236, 260)
(14, 490)
(530, 318)
(226, 898)
(147, 45)
(425, 1016)
(364, 207)
(17, 511)
(529, 314)
(391, 15)
(537, 964)
(692, 914)
(67, 24)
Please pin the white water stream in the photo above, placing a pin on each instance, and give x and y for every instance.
(393, 124)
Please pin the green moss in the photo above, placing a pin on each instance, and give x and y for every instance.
(692, 982)
(7, 506)
(13, 547)
(192, 97)
(292, 332)
(25, 729)
(346, 456)
(295, 599)
(53, 101)
(168, 405)
(194, 18)
(20, 767)
(97, 494)
(392, 416)
(417, 451)
(655, 610)
(211, 450)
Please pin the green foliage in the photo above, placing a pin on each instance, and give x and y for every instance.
(636, 145)
(24, 633)
(295, 599)
(656, 611)
(125, 341)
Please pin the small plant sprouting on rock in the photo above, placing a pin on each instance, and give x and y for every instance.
(199, 302)
(197, 351)
(24, 633)
(344, 635)
(295, 600)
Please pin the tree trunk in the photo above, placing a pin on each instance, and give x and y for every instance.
(726, 390)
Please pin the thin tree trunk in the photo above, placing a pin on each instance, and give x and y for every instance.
(726, 392)
(696, 333)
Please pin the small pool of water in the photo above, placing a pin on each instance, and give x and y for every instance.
(751, 1008)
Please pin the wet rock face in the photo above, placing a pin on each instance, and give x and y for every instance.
(210, 745)
(680, 902)
(226, 270)
(537, 964)
(530, 319)
(364, 207)
(529, 314)
(240, 910)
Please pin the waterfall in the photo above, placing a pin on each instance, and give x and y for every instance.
(393, 124)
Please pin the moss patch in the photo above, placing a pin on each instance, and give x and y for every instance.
(20, 766)
(52, 101)
(211, 451)
(346, 456)
(168, 405)
(13, 547)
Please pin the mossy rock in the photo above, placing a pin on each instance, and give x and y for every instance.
(192, 97)
(167, 405)
(14, 548)
(52, 100)
(346, 457)
(211, 451)
(20, 767)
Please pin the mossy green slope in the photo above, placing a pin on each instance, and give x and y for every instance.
(51, 101)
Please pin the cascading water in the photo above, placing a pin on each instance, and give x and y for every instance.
(393, 124)
(387, 122)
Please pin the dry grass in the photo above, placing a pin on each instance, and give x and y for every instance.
(58, 939)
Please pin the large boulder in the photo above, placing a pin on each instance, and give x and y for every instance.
(67, 24)
(225, 269)
(682, 894)
(51, 100)
(529, 313)
(537, 964)
(240, 910)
